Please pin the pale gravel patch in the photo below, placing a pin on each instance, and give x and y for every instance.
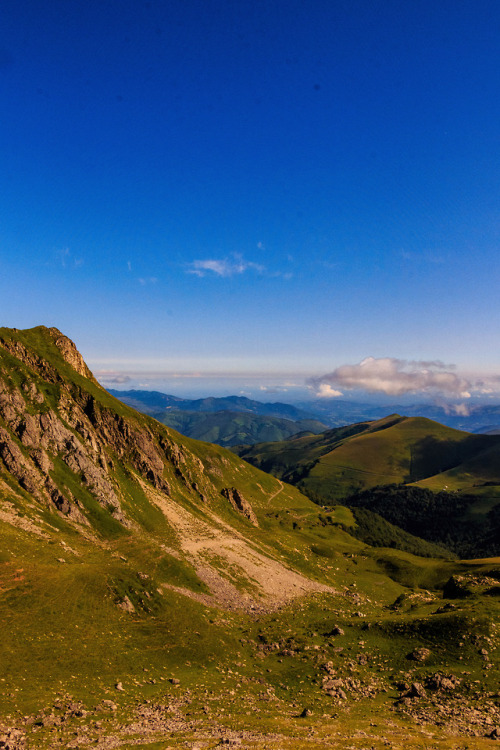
(208, 546)
(9, 515)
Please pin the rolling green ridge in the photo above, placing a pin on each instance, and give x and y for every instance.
(160, 592)
(457, 473)
(390, 450)
(230, 421)
(228, 428)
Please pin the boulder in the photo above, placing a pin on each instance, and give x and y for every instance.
(420, 654)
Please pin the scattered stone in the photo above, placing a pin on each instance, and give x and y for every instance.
(12, 739)
(416, 691)
(305, 713)
(439, 681)
(119, 687)
(336, 630)
(334, 688)
(448, 607)
(174, 681)
(470, 584)
(420, 654)
(126, 605)
(328, 667)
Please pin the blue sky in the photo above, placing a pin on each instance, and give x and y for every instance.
(247, 194)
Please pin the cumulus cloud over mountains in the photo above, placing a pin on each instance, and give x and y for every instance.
(394, 377)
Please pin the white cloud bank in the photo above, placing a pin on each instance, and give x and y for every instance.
(394, 377)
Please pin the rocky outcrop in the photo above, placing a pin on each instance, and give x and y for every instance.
(46, 434)
(137, 446)
(467, 585)
(126, 605)
(67, 350)
(240, 504)
(48, 417)
(18, 465)
(420, 654)
(70, 353)
(31, 359)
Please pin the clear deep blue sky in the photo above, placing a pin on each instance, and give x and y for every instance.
(277, 187)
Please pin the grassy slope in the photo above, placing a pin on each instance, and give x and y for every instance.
(63, 633)
(86, 645)
(331, 466)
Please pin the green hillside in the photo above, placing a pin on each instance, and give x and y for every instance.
(340, 462)
(369, 465)
(230, 428)
(159, 592)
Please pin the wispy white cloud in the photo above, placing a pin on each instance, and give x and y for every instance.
(147, 280)
(286, 275)
(273, 388)
(459, 410)
(68, 260)
(64, 256)
(223, 267)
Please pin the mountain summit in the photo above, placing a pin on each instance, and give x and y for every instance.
(97, 466)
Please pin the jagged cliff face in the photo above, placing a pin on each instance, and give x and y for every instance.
(70, 450)
(67, 423)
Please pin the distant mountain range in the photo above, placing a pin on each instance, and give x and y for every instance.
(156, 401)
(313, 416)
(229, 421)
(480, 418)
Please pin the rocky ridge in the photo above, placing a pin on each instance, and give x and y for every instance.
(68, 447)
(75, 428)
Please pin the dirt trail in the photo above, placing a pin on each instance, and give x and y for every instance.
(239, 576)
(275, 494)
